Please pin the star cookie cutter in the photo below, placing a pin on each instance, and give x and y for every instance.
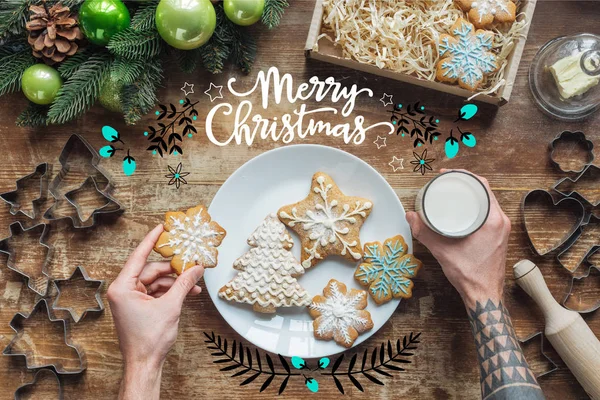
(570, 202)
(577, 137)
(553, 367)
(17, 325)
(21, 390)
(97, 179)
(78, 274)
(43, 170)
(591, 170)
(10, 263)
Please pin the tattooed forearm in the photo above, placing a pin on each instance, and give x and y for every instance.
(504, 371)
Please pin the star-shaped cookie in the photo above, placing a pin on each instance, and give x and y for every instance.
(327, 221)
(191, 238)
(484, 13)
(387, 270)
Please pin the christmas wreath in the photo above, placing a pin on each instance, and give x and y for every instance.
(67, 54)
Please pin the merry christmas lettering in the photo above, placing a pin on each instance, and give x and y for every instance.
(286, 129)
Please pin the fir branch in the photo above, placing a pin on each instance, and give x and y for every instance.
(79, 93)
(188, 60)
(145, 16)
(218, 48)
(140, 96)
(72, 64)
(273, 12)
(243, 51)
(127, 71)
(71, 3)
(13, 16)
(136, 45)
(12, 67)
(33, 116)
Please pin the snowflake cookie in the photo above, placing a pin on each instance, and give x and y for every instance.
(327, 221)
(387, 270)
(340, 315)
(465, 56)
(191, 238)
(267, 280)
(484, 13)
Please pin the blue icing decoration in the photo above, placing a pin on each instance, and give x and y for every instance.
(469, 56)
(387, 269)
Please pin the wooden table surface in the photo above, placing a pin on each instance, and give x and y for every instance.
(512, 152)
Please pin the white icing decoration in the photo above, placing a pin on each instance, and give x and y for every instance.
(268, 269)
(339, 312)
(189, 238)
(325, 222)
(492, 7)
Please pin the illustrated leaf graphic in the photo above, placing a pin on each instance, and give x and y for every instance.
(284, 384)
(231, 367)
(382, 372)
(374, 357)
(338, 384)
(337, 363)
(393, 367)
(284, 363)
(389, 349)
(356, 383)
(351, 364)
(382, 353)
(241, 353)
(249, 356)
(267, 383)
(258, 362)
(270, 362)
(364, 360)
(372, 379)
(242, 372)
(233, 349)
(224, 345)
(250, 379)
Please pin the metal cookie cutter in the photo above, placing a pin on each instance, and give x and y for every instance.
(10, 263)
(17, 325)
(570, 202)
(578, 137)
(21, 390)
(78, 274)
(589, 220)
(97, 180)
(43, 170)
(582, 309)
(570, 189)
(541, 335)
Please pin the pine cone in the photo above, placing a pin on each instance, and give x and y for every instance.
(53, 32)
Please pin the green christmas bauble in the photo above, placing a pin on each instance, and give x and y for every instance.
(40, 83)
(110, 95)
(101, 19)
(244, 12)
(185, 24)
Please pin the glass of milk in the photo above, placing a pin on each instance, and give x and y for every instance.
(454, 204)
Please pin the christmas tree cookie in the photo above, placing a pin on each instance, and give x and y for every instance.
(339, 314)
(191, 238)
(327, 221)
(268, 271)
(387, 270)
(465, 56)
(484, 13)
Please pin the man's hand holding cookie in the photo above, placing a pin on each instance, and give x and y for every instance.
(146, 301)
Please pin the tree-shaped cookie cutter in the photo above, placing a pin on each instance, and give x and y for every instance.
(572, 136)
(78, 273)
(17, 325)
(10, 263)
(93, 169)
(553, 367)
(43, 170)
(39, 375)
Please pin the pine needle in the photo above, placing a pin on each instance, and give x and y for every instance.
(188, 60)
(33, 116)
(243, 50)
(273, 12)
(13, 16)
(136, 45)
(80, 92)
(216, 51)
(12, 67)
(140, 97)
(127, 71)
(72, 64)
(145, 16)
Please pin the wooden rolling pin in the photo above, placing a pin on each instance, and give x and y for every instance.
(570, 336)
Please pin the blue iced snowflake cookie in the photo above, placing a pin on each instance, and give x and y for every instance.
(466, 56)
(387, 270)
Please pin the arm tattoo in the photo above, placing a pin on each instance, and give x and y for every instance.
(504, 371)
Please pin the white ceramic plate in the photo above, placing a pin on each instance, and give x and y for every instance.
(263, 185)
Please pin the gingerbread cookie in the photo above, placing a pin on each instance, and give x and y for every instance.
(484, 13)
(387, 270)
(465, 56)
(267, 280)
(327, 221)
(340, 315)
(191, 238)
